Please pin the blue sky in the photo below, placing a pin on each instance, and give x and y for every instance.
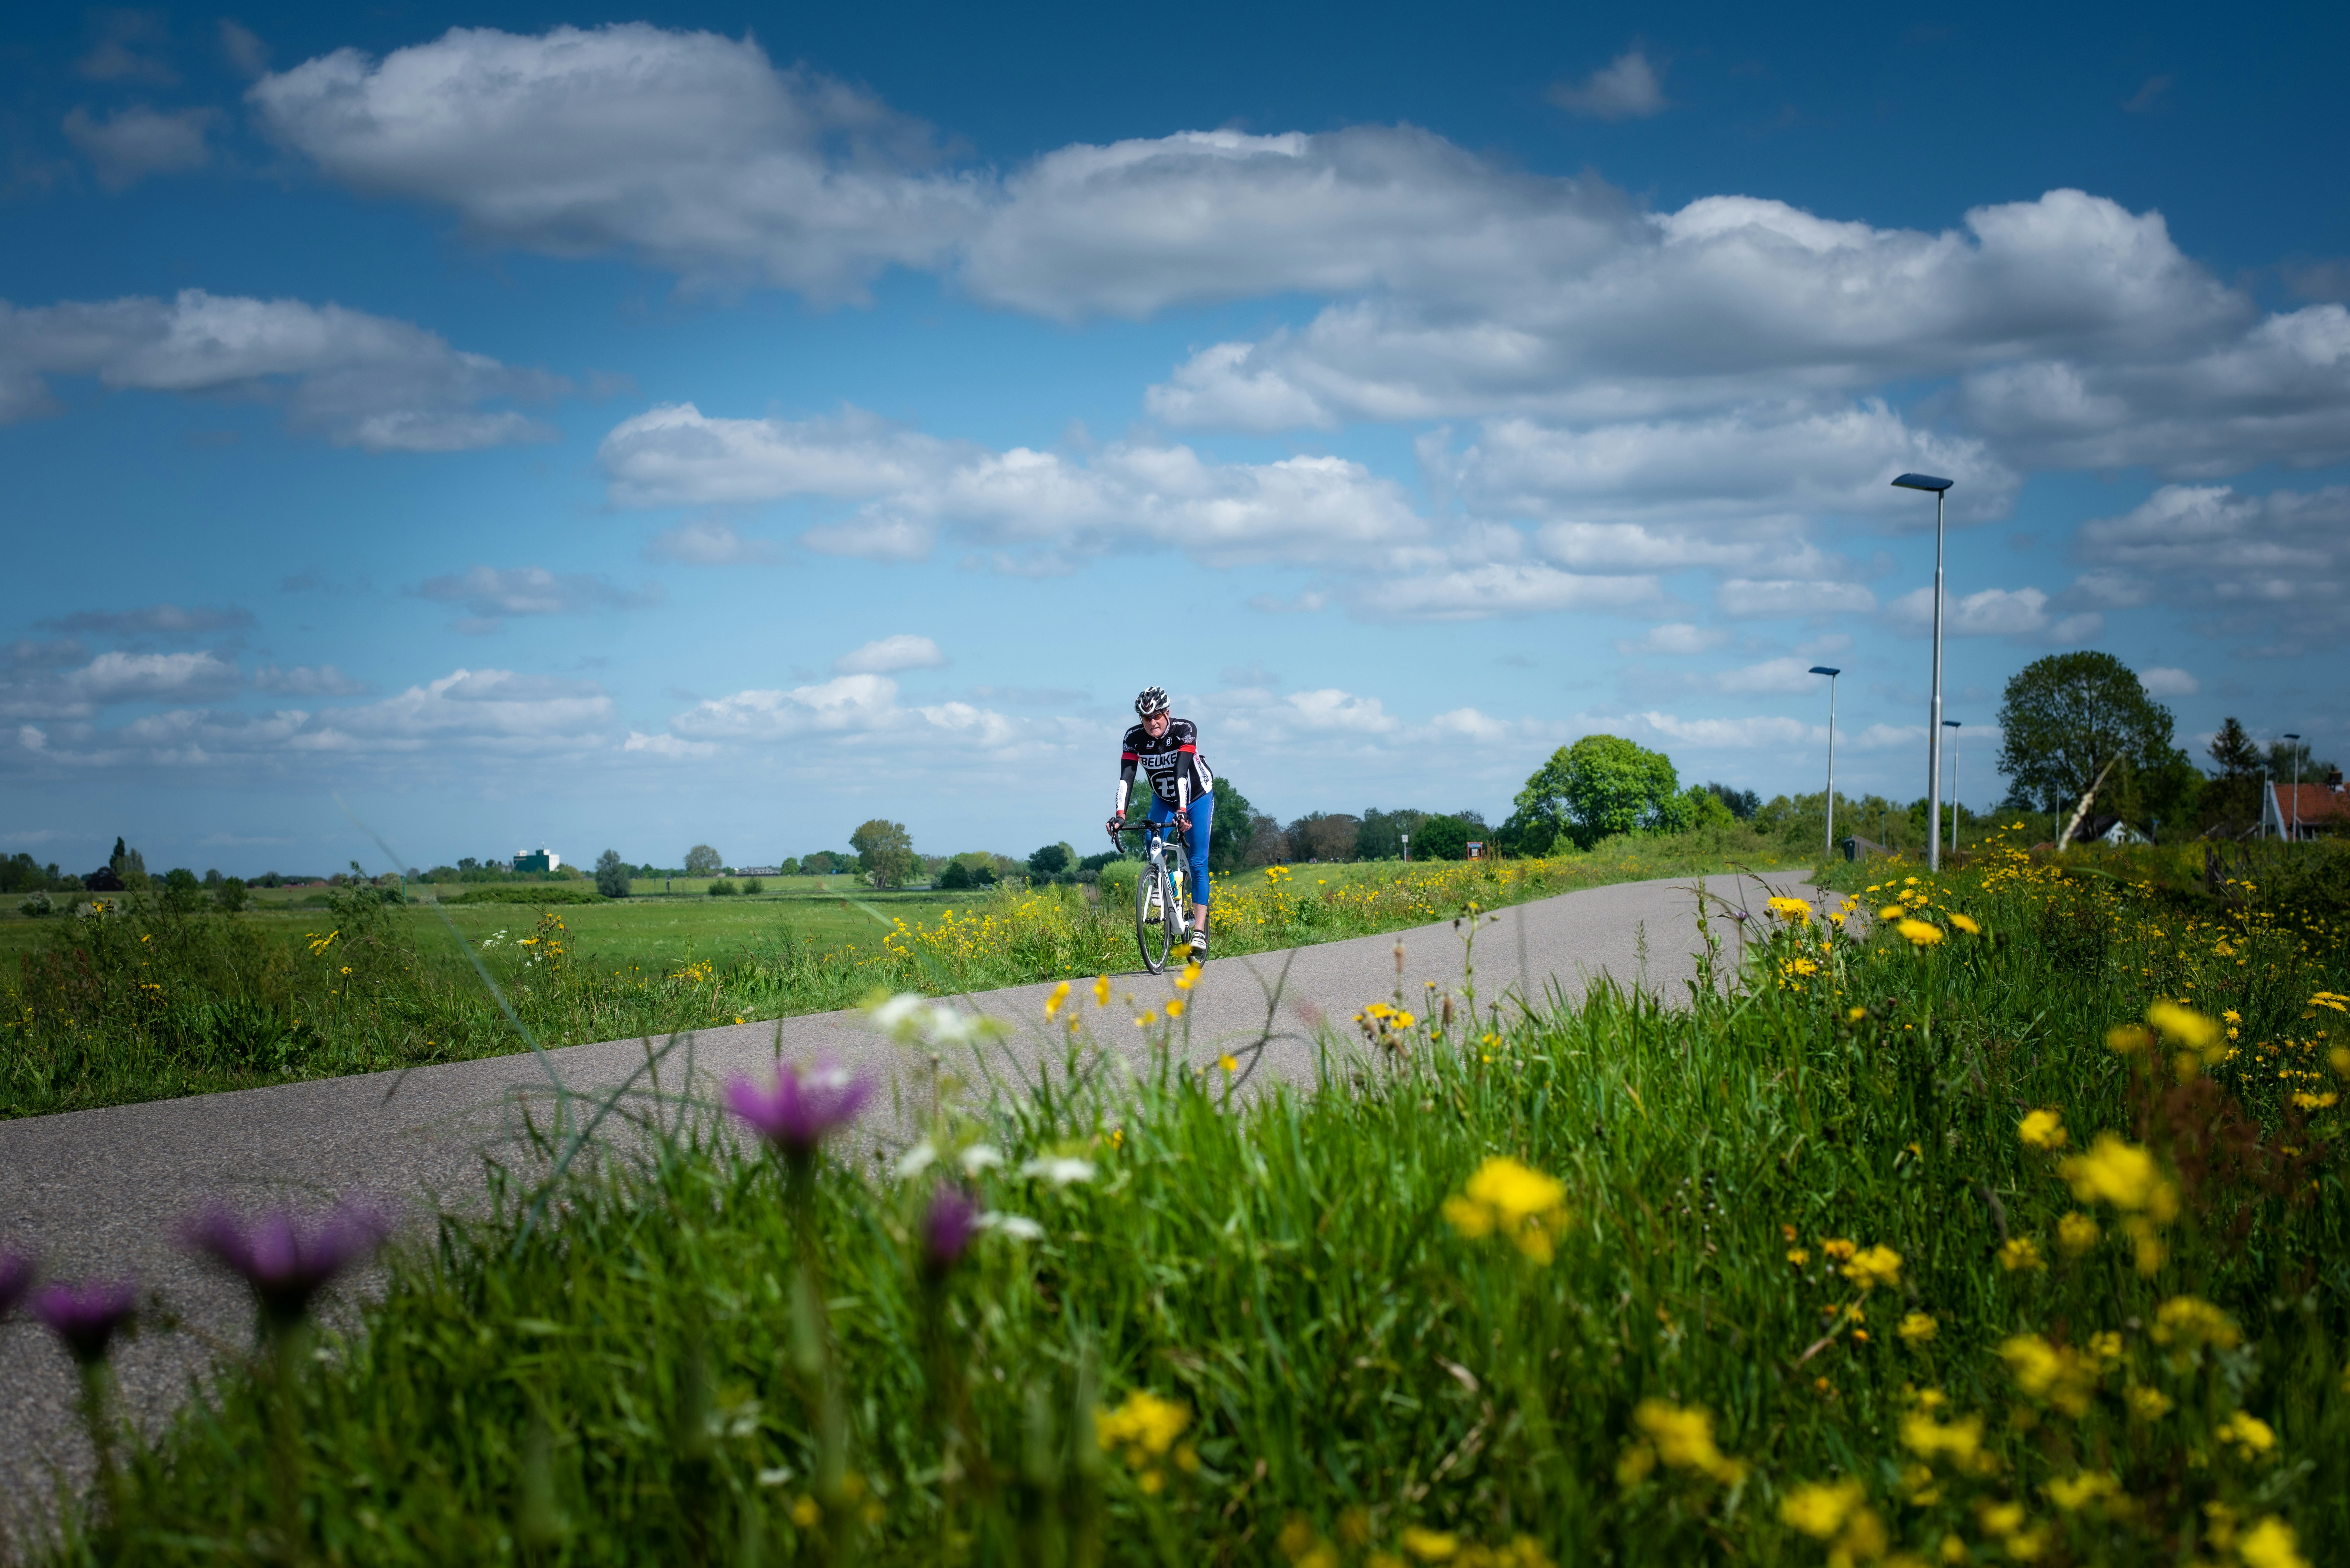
(636, 427)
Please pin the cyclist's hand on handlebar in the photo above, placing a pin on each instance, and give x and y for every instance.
(1117, 821)
(1183, 820)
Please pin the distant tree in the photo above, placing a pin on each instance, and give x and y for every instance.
(612, 875)
(1049, 862)
(955, 878)
(467, 863)
(1324, 836)
(2068, 722)
(1703, 807)
(885, 851)
(1379, 835)
(1268, 846)
(2284, 754)
(1096, 862)
(130, 868)
(1742, 803)
(1441, 837)
(2233, 796)
(229, 897)
(1228, 836)
(986, 876)
(1604, 784)
(790, 867)
(702, 861)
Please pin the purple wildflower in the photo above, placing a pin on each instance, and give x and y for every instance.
(288, 1260)
(807, 1104)
(87, 1316)
(947, 1226)
(15, 1278)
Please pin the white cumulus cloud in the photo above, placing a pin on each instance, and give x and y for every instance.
(888, 655)
(1626, 87)
(359, 380)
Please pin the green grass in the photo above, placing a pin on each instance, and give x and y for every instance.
(648, 1379)
(154, 1003)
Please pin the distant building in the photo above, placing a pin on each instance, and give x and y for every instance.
(2110, 830)
(758, 871)
(1476, 849)
(2304, 811)
(543, 859)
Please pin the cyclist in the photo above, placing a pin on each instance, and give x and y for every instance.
(1167, 749)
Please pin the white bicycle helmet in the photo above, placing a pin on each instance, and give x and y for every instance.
(1153, 699)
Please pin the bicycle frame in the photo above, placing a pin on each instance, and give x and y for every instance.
(1163, 883)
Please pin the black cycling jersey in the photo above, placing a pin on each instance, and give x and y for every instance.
(1179, 773)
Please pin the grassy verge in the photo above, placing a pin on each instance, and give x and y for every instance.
(154, 1002)
(1920, 1245)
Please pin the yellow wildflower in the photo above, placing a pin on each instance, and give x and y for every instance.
(2183, 1025)
(1891, 912)
(2076, 1234)
(1144, 1427)
(2271, 1543)
(1964, 924)
(1931, 1439)
(2044, 1129)
(2074, 1494)
(1174, 1007)
(1799, 1256)
(2046, 1371)
(2145, 1404)
(1054, 1003)
(2124, 1175)
(1839, 1249)
(1430, 1546)
(1101, 990)
(2020, 1255)
(1874, 1267)
(1513, 1200)
(1229, 1063)
(1682, 1438)
(2309, 1102)
(1794, 911)
(1820, 1509)
(1917, 1328)
(2126, 1039)
(1919, 933)
(2189, 1322)
(2252, 1436)
(1189, 977)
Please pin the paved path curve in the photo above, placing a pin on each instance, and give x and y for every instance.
(99, 1191)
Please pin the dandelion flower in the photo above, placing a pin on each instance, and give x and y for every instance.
(2124, 1175)
(1931, 1439)
(1430, 1546)
(1054, 1004)
(1101, 992)
(2146, 1404)
(2044, 1129)
(2183, 1025)
(1682, 1438)
(1229, 1063)
(1917, 1328)
(1919, 933)
(2190, 1323)
(1964, 924)
(2076, 1234)
(2271, 1543)
(1513, 1200)
(1819, 1508)
(2021, 1255)
(1874, 1266)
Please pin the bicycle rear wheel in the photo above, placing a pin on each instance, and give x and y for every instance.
(1151, 931)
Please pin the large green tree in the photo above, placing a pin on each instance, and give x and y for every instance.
(2068, 722)
(612, 874)
(1599, 786)
(702, 861)
(1228, 836)
(885, 851)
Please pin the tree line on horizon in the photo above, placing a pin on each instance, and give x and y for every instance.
(2082, 745)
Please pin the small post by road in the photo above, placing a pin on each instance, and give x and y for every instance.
(1953, 724)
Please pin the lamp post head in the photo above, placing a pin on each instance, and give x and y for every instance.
(1823, 669)
(1950, 724)
(1923, 482)
(2290, 737)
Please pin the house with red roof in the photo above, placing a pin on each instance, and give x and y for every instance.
(2304, 811)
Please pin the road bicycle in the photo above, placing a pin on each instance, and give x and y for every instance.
(1162, 893)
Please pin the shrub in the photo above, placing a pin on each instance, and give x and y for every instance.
(38, 904)
(612, 875)
(753, 885)
(1441, 838)
(956, 876)
(230, 898)
(527, 893)
(722, 888)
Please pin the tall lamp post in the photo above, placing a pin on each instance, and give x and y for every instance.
(1953, 724)
(1831, 674)
(2296, 786)
(1941, 487)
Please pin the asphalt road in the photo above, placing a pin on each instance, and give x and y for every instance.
(101, 1192)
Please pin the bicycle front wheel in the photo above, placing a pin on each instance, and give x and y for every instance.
(1152, 928)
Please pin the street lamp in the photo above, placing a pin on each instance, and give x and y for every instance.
(2296, 786)
(1953, 724)
(1941, 487)
(1831, 674)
